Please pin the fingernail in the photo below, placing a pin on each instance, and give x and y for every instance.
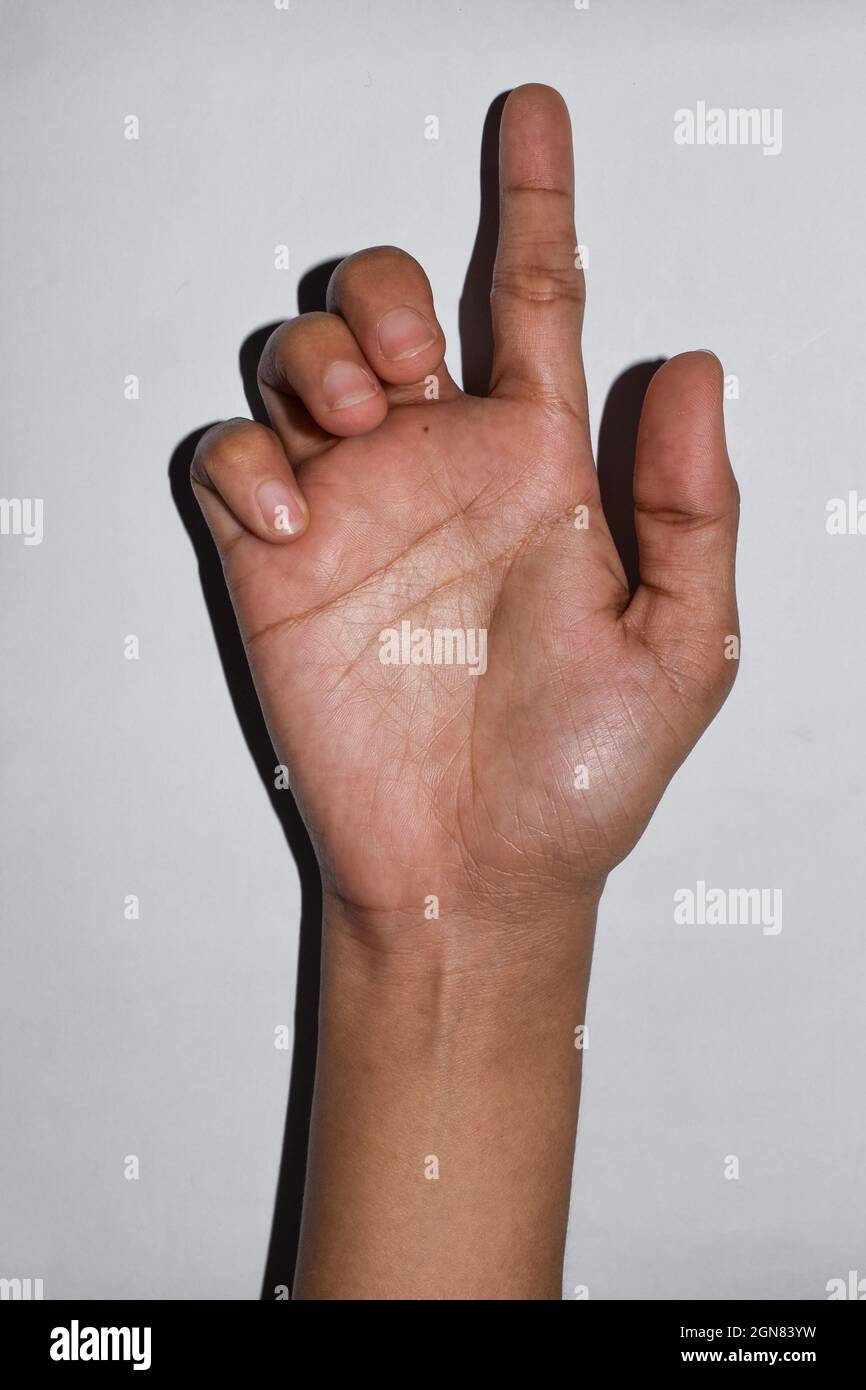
(346, 383)
(403, 332)
(280, 507)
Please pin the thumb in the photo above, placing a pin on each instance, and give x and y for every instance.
(686, 512)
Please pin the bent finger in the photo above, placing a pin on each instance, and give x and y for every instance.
(243, 482)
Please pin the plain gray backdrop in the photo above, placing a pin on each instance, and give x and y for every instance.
(154, 258)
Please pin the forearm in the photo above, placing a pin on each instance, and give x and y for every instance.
(444, 1116)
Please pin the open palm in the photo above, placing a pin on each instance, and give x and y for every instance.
(469, 702)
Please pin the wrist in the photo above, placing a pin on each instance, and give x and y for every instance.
(496, 941)
(468, 978)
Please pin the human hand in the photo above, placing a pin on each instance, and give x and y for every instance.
(532, 780)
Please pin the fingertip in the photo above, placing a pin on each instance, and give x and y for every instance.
(702, 361)
(709, 370)
(534, 94)
(689, 383)
(535, 140)
(681, 462)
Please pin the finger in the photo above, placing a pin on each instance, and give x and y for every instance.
(385, 298)
(686, 514)
(538, 288)
(316, 360)
(243, 482)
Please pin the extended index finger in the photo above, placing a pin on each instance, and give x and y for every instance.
(538, 287)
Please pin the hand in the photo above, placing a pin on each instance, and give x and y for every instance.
(369, 504)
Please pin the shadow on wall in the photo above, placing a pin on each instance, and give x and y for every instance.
(617, 435)
(285, 1228)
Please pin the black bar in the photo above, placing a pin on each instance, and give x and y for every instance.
(221, 1338)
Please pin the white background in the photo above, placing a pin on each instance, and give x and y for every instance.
(156, 257)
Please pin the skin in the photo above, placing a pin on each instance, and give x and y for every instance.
(452, 1038)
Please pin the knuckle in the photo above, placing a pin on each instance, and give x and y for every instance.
(283, 344)
(370, 263)
(536, 281)
(683, 518)
(227, 447)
